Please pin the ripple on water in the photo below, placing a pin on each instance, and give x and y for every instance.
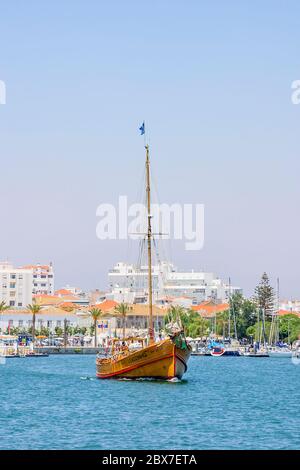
(225, 403)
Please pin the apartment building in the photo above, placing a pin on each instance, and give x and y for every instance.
(129, 283)
(43, 279)
(15, 285)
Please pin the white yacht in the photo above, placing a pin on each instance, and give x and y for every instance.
(276, 351)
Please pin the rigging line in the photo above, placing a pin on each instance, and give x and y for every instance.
(139, 262)
(143, 201)
(139, 199)
(141, 251)
(160, 272)
(166, 250)
(129, 245)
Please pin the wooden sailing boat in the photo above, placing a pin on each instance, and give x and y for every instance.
(165, 359)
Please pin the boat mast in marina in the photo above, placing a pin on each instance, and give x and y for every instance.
(149, 241)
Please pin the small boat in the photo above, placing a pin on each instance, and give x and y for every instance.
(165, 359)
(223, 351)
(276, 351)
(256, 354)
(217, 351)
(231, 352)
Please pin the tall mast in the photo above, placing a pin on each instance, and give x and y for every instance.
(149, 239)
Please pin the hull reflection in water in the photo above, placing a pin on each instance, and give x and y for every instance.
(163, 360)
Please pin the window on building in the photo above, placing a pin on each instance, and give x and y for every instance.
(13, 276)
(20, 323)
(58, 323)
(12, 285)
(20, 304)
(10, 323)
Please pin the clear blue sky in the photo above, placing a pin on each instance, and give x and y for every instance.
(212, 79)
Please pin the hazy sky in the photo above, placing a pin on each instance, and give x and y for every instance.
(212, 79)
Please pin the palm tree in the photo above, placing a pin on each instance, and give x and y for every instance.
(3, 307)
(122, 310)
(177, 314)
(95, 313)
(34, 309)
(222, 319)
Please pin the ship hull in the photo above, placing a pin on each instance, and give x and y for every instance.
(163, 360)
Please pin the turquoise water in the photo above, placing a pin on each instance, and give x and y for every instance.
(223, 403)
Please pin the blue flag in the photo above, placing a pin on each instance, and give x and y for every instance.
(142, 128)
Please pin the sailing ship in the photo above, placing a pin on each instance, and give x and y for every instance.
(165, 359)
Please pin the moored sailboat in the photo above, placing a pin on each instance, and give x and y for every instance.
(165, 359)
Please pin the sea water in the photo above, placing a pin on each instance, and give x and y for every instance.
(223, 403)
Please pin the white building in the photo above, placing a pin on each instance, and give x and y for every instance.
(129, 284)
(15, 285)
(290, 305)
(43, 278)
(51, 318)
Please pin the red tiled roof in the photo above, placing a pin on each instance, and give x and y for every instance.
(67, 304)
(107, 305)
(288, 312)
(37, 266)
(63, 292)
(209, 309)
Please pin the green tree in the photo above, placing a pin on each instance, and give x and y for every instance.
(58, 331)
(259, 330)
(264, 295)
(192, 323)
(79, 330)
(3, 307)
(122, 310)
(96, 314)
(179, 315)
(197, 327)
(35, 310)
(44, 331)
(243, 311)
(289, 328)
(222, 319)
